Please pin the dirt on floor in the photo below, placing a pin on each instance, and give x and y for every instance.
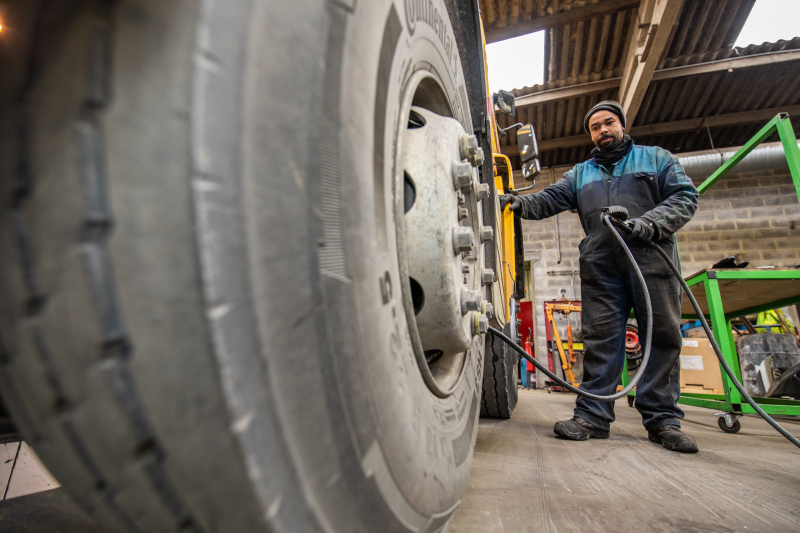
(526, 479)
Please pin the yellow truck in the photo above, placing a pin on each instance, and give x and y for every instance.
(249, 252)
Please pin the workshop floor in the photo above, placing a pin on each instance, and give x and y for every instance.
(524, 479)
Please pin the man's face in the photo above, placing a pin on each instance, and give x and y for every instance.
(606, 130)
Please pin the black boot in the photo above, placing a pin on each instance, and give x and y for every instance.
(578, 429)
(672, 438)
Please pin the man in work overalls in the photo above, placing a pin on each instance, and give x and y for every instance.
(650, 182)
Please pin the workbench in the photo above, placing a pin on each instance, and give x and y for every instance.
(722, 296)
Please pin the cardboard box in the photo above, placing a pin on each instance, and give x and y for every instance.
(700, 371)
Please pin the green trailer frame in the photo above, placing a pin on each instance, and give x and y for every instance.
(731, 403)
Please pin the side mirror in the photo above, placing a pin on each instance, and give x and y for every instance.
(531, 169)
(506, 101)
(526, 139)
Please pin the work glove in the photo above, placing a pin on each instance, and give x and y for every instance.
(514, 203)
(642, 231)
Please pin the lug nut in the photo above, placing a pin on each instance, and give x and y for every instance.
(462, 239)
(487, 233)
(465, 269)
(470, 300)
(462, 213)
(477, 159)
(462, 176)
(519, 323)
(461, 198)
(487, 276)
(481, 324)
(483, 191)
(487, 309)
(469, 146)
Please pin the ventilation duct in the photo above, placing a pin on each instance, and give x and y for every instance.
(699, 165)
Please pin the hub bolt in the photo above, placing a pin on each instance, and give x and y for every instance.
(487, 233)
(483, 191)
(461, 198)
(470, 300)
(481, 323)
(477, 159)
(462, 239)
(465, 269)
(487, 276)
(469, 146)
(487, 309)
(462, 176)
(462, 213)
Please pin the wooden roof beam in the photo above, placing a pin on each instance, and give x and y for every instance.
(650, 41)
(665, 128)
(562, 18)
(732, 64)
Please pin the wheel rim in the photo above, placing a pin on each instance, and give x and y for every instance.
(439, 234)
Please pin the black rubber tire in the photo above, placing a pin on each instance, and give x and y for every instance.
(201, 325)
(631, 400)
(500, 374)
(726, 428)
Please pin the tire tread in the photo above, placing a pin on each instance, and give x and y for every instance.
(114, 348)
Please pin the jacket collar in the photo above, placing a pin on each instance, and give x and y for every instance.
(630, 149)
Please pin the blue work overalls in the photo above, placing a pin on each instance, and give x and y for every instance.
(649, 182)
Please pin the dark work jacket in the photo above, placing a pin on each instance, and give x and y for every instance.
(649, 181)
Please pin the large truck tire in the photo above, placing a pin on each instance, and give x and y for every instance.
(202, 318)
(500, 373)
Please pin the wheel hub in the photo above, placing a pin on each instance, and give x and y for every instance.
(445, 235)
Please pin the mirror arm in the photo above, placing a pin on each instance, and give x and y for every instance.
(516, 192)
(504, 130)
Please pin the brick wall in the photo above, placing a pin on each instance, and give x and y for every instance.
(539, 238)
(753, 216)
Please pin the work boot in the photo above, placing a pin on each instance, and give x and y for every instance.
(672, 438)
(578, 429)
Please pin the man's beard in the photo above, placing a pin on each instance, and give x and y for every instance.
(607, 148)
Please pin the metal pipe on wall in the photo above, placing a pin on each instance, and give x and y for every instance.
(558, 243)
(766, 157)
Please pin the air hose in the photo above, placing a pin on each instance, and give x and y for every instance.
(617, 216)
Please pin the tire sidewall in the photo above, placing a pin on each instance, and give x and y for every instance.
(418, 433)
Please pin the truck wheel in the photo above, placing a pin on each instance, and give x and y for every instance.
(500, 373)
(206, 319)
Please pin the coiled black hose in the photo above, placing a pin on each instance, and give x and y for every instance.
(612, 222)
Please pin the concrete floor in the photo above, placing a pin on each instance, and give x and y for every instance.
(524, 479)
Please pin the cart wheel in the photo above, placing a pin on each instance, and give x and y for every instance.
(726, 428)
(549, 390)
(630, 401)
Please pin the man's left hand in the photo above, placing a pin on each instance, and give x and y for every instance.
(643, 231)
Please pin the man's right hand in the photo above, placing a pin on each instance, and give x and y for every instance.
(514, 203)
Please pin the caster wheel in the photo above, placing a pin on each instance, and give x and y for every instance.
(630, 400)
(549, 390)
(726, 428)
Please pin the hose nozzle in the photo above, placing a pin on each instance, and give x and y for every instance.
(617, 215)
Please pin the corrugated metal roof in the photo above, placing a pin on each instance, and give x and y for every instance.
(721, 93)
(706, 25)
(595, 49)
(588, 51)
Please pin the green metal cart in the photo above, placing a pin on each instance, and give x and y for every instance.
(731, 293)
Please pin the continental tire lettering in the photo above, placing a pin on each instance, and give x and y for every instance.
(425, 11)
(386, 287)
